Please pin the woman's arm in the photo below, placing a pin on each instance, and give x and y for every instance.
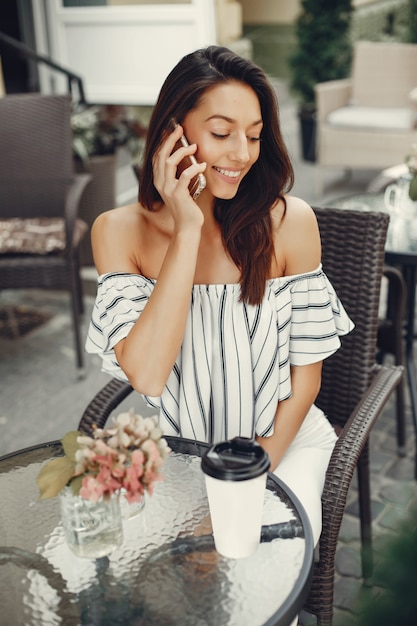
(305, 382)
(148, 353)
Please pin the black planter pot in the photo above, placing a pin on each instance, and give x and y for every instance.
(308, 134)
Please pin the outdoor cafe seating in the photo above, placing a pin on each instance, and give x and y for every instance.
(354, 389)
(40, 231)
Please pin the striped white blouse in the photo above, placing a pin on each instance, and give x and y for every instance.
(234, 364)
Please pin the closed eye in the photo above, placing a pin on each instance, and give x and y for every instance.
(251, 139)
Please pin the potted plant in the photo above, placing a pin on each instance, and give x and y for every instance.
(323, 53)
(100, 130)
(98, 133)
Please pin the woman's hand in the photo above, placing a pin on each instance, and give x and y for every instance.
(174, 191)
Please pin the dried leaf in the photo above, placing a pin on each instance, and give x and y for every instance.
(75, 485)
(69, 443)
(54, 476)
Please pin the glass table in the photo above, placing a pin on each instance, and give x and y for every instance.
(167, 571)
(400, 250)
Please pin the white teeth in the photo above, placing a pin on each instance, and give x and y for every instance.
(228, 173)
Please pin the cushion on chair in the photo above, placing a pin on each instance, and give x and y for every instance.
(372, 118)
(36, 235)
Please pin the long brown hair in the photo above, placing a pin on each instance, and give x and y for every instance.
(245, 220)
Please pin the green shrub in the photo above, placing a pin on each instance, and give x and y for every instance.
(323, 46)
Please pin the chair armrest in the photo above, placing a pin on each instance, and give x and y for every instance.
(332, 95)
(103, 403)
(347, 451)
(72, 203)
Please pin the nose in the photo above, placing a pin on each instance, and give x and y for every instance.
(239, 150)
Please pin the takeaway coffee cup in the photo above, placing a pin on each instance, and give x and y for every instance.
(235, 475)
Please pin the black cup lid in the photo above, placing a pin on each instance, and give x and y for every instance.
(236, 459)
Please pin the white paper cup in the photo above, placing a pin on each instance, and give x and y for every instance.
(235, 475)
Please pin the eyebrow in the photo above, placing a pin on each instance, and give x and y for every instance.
(229, 119)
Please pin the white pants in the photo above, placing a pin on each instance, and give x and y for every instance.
(303, 467)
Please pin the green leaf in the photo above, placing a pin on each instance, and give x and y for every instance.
(54, 476)
(69, 443)
(413, 189)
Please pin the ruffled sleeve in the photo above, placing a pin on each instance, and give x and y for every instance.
(120, 300)
(313, 319)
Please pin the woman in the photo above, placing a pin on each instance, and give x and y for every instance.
(216, 309)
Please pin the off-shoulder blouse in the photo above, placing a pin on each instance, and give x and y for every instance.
(234, 363)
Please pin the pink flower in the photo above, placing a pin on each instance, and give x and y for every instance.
(110, 484)
(133, 485)
(134, 497)
(126, 456)
(91, 488)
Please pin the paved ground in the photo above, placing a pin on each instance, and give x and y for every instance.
(41, 396)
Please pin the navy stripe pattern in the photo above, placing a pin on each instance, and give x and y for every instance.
(234, 364)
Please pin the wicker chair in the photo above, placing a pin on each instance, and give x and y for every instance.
(39, 195)
(354, 388)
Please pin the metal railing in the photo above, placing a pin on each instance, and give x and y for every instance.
(74, 81)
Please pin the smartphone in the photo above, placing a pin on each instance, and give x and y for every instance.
(199, 182)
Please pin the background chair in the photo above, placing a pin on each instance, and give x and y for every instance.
(39, 199)
(354, 388)
(370, 119)
(391, 341)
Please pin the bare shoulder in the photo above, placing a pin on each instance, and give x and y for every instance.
(296, 236)
(114, 237)
(120, 219)
(297, 212)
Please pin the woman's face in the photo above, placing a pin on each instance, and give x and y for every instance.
(226, 126)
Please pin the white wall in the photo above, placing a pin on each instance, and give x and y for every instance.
(124, 53)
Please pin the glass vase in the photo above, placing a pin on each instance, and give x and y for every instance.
(130, 510)
(92, 529)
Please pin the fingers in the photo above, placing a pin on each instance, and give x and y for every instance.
(162, 168)
(174, 167)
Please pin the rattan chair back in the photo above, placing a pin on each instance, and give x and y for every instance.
(354, 388)
(37, 181)
(353, 258)
(36, 156)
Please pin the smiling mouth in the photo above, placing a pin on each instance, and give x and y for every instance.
(228, 173)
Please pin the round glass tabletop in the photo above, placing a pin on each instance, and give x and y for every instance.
(167, 570)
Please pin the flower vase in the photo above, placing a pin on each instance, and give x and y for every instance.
(92, 529)
(130, 510)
